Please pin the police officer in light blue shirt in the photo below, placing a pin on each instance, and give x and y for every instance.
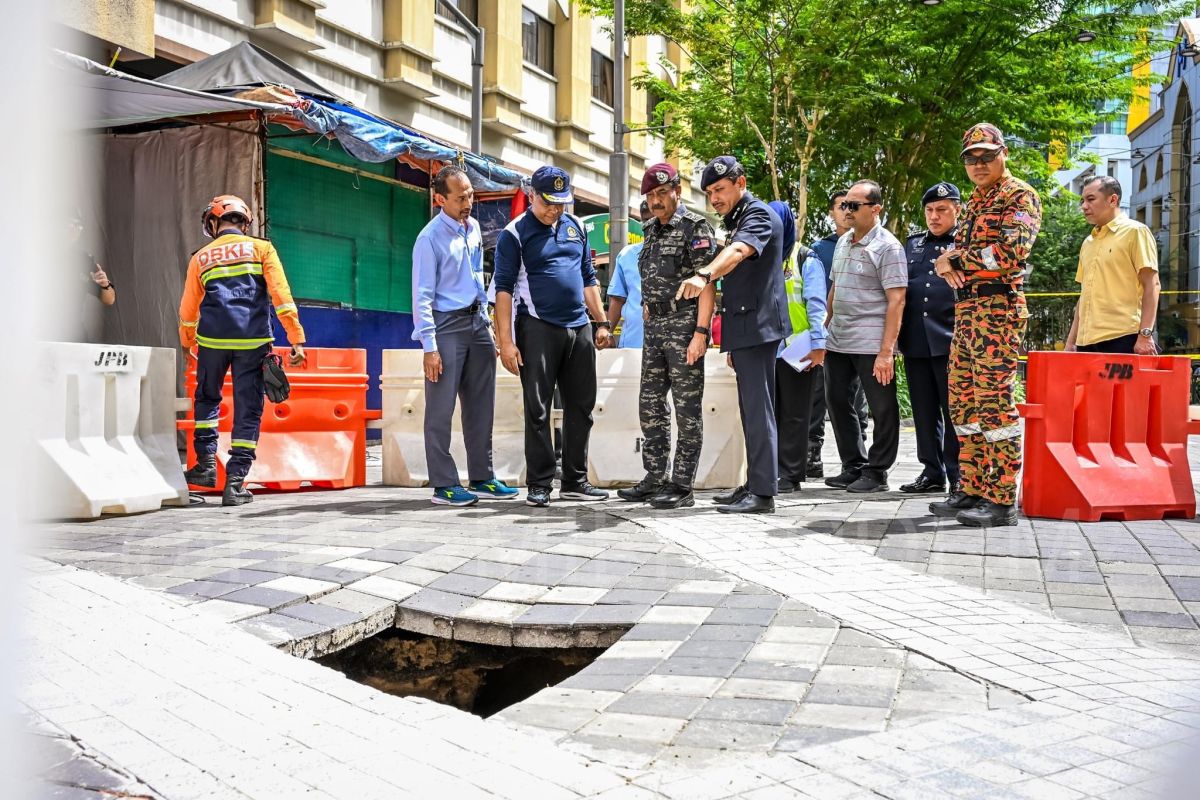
(450, 321)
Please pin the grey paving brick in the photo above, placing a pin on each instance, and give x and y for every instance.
(703, 667)
(740, 616)
(470, 585)
(278, 629)
(432, 601)
(204, 588)
(730, 633)
(620, 615)
(1158, 619)
(323, 615)
(548, 614)
(711, 648)
(726, 734)
(660, 631)
(657, 705)
(744, 709)
(272, 599)
(850, 695)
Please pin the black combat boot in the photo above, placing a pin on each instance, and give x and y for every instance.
(204, 473)
(814, 468)
(956, 502)
(642, 491)
(673, 496)
(235, 493)
(987, 514)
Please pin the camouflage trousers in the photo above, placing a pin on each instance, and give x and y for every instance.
(665, 369)
(983, 367)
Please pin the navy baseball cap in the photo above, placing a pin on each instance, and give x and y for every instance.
(719, 168)
(941, 191)
(553, 184)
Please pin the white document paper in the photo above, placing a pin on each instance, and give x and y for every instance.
(796, 353)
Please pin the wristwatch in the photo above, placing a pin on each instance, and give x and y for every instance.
(707, 276)
(1147, 332)
(604, 324)
(703, 330)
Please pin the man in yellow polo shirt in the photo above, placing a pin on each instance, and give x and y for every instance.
(1118, 272)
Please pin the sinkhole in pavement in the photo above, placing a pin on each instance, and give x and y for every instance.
(482, 679)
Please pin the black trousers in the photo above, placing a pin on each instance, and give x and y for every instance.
(937, 444)
(755, 370)
(816, 420)
(885, 443)
(1122, 344)
(564, 358)
(793, 408)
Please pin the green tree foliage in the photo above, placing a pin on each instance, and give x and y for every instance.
(812, 94)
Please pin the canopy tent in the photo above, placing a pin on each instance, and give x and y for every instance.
(245, 69)
(112, 98)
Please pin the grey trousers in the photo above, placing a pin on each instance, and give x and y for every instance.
(468, 374)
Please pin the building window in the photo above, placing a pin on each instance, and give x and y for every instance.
(537, 40)
(602, 78)
(652, 101)
(469, 8)
(1141, 215)
(1112, 167)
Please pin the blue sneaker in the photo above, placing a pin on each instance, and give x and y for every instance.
(494, 488)
(453, 496)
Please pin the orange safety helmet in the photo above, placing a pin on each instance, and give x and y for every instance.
(221, 206)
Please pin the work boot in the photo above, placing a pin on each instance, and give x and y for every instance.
(988, 515)
(814, 468)
(732, 496)
(956, 502)
(204, 473)
(235, 493)
(673, 496)
(642, 491)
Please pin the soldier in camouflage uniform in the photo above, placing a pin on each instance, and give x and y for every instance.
(986, 268)
(677, 243)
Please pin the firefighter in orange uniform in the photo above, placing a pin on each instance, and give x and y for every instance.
(986, 267)
(231, 286)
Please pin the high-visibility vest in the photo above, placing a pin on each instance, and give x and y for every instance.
(797, 310)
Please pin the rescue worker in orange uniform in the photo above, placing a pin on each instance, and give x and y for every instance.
(986, 268)
(231, 286)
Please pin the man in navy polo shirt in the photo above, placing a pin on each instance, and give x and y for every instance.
(754, 320)
(544, 276)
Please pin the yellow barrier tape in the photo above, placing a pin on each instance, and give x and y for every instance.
(1076, 294)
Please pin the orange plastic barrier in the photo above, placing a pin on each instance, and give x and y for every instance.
(317, 436)
(1106, 437)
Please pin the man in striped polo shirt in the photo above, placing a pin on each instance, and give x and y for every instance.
(866, 303)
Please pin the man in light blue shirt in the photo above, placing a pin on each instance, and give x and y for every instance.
(450, 321)
(625, 296)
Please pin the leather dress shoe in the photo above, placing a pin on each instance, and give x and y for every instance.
(959, 501)
(732, 496)
(787, 486)
(750, 504)
(843, 480)
(642, 491)
(924, 485)
(988, 515)
(673, 495)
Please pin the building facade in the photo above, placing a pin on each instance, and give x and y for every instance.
(548, 69)
(1165, 194)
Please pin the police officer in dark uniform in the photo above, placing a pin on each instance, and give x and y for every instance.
(754, 320)
(677, 243)
(925, 334)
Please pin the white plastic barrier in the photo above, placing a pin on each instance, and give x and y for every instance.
(403, 385)
(615, 449)
(105, 431)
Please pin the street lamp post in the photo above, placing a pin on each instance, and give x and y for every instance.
(618, 162)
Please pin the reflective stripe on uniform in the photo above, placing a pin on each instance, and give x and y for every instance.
(285, 308)
(183, 324)
(231, 344)
(968, 429)
(247, 443)
(1000, 434)
(231, 272)
(206, 423)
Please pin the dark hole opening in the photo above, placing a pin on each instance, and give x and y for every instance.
(480, 678)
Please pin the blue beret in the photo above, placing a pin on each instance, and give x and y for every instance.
(941, 191)
(553, 184)
(719, 168)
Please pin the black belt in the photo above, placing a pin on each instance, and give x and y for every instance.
(669, 306)
(970, 290)
(471, 309)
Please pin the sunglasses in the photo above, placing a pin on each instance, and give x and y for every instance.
(986, 158)
(854, 205)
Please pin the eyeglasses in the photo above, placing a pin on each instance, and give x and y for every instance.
(986, 158)
(854, 205)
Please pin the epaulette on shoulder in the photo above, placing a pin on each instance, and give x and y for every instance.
(693, 216)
